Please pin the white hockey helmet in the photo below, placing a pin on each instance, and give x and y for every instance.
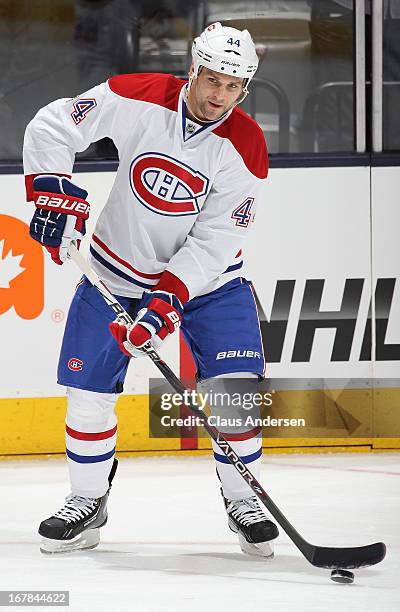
(226, 50)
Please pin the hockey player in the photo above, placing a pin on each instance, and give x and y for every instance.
(168, 243)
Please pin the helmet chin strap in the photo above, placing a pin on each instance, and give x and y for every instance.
(242, 98)
(192, 76)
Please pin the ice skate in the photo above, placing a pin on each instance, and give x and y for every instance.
(76, 526)
(256, 533)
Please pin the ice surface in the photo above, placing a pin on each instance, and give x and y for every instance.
(167, 546)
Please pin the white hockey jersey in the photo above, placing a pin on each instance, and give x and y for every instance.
(184, 195)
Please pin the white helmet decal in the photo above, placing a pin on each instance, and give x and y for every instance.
(226, 50)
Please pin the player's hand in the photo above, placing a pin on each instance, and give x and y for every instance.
(60, 216)
(159, 315)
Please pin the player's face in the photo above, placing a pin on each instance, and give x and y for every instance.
(213, 93)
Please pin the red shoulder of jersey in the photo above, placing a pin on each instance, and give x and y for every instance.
(161, 89)
(248, 139)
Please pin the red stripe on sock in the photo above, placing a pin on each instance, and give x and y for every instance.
(246, 435)
(101, 435)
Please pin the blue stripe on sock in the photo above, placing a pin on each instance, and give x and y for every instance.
(90, 458)
(245, 459)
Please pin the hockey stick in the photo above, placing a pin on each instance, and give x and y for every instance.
(319, 556)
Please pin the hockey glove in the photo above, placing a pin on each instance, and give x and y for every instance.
(61, 212)
(160, 314)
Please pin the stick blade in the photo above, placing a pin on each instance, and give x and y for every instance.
(348, 558)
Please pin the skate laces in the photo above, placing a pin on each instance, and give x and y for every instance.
(246, 511)
(76, 507)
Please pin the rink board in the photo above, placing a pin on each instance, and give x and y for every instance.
(324, 242)
(365, 421)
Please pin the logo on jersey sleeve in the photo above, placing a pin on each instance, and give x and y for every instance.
(242, 214)
(81, 108)
(167, 186)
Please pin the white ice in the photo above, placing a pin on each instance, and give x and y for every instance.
(167, 546)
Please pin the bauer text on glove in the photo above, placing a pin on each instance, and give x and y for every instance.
(60, 216)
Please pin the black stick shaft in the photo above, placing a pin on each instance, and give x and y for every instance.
(319, 556)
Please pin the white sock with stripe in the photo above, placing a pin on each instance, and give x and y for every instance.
(91, 432)
(246, 444)
(249, 450)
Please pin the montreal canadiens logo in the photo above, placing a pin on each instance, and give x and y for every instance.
(167, 186)
(75, 364)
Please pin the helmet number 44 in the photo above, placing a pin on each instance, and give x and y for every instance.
(236, 42)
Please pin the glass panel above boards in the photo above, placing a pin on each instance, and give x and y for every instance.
(303, 94)
(391, 75)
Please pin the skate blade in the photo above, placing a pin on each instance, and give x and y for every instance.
(262, 549)
(84, 541)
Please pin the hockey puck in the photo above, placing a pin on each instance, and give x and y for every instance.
(342, 576)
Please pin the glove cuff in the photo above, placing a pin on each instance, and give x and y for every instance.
(172, 284)
(29, 178)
